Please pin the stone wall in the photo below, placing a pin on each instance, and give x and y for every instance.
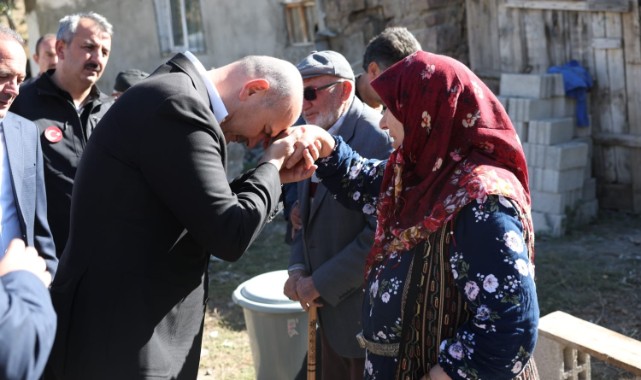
(439, 25)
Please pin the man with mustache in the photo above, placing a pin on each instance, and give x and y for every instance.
(66, 105)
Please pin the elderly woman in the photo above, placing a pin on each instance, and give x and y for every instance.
(450, 290)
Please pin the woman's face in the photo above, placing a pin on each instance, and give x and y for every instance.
(395, 128)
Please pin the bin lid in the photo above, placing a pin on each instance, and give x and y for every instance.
(265, 293)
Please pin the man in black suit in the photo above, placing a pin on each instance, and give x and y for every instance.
(151, 202)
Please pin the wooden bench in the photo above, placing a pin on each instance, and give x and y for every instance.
(582, 337)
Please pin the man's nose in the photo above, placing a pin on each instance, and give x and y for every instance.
(12, 87)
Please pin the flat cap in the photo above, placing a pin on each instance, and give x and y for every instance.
(326, 62)
(128, 78)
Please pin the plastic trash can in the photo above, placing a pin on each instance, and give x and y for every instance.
(277, 326)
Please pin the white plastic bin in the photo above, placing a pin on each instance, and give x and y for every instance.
(277, 326)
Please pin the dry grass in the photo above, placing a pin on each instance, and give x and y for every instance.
(226, 352)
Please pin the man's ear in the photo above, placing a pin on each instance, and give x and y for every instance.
(373, 70)
(60, 46)
(253, 87)
(347, 89)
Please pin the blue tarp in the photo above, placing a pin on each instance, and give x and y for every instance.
(577, 82)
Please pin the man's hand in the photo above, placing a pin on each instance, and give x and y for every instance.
(296, 149)
(19, 257)
(307, 293)
(290, 143)
(312, 141)
(290, 285)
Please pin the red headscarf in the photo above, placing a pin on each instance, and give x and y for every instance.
(459, 146)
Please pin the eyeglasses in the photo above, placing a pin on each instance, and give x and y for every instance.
(309, 93)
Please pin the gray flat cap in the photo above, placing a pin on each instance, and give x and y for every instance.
(326, 62)
(128, 78)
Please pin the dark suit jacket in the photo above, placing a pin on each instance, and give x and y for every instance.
(131, 292)
(27, 326)
(22, 140)
(335, 240)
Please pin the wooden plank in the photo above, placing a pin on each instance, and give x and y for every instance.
(597, 341)
(621, 6)
(483, 35)
(632, 43)
(557, 36)
(616, 74)
(607, 43)
(580, 42)
(618, 139)
(603, 163)
(537, 41)
(618, 96)
(512, 44)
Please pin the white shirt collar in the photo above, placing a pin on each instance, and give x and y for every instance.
(217, 105)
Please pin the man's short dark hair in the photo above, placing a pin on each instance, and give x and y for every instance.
(389, 47)
(42, 38)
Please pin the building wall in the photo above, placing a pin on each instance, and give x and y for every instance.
(237, 28)
(233, 29)
(439, 25)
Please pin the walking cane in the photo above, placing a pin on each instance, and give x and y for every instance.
(311, 343)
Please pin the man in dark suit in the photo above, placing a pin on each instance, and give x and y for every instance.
(27, 322)
(327, 258)
(23, 202)
(151, 202)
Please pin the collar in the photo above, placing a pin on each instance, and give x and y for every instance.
(217, 105)
(333, 130)
(47, 84)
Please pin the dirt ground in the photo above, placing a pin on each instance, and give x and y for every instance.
(594, 273)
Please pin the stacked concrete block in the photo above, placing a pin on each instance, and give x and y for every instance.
(558, 153)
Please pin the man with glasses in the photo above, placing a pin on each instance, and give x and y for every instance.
(328, 254)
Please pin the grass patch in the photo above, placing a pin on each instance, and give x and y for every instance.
(226, 351)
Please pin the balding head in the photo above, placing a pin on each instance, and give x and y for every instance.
(13, 61)
(263, 95)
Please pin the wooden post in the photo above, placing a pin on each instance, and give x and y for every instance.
(311, 343)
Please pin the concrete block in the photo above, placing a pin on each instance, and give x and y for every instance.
(549, 224)
(504, 101)
(563, 107)
(555, 181)
(555, 203)
(548, 355)
(587, 170)
(534, 155)
(538, 86)
(583, 132)
(522, 109)
(588, 192)
(521, 128)
(572, 154)
(551, 131)
(540, 223)
(559, 86)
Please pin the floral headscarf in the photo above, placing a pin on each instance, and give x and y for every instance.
(459, 146)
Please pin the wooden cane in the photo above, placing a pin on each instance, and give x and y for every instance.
(311, 343)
